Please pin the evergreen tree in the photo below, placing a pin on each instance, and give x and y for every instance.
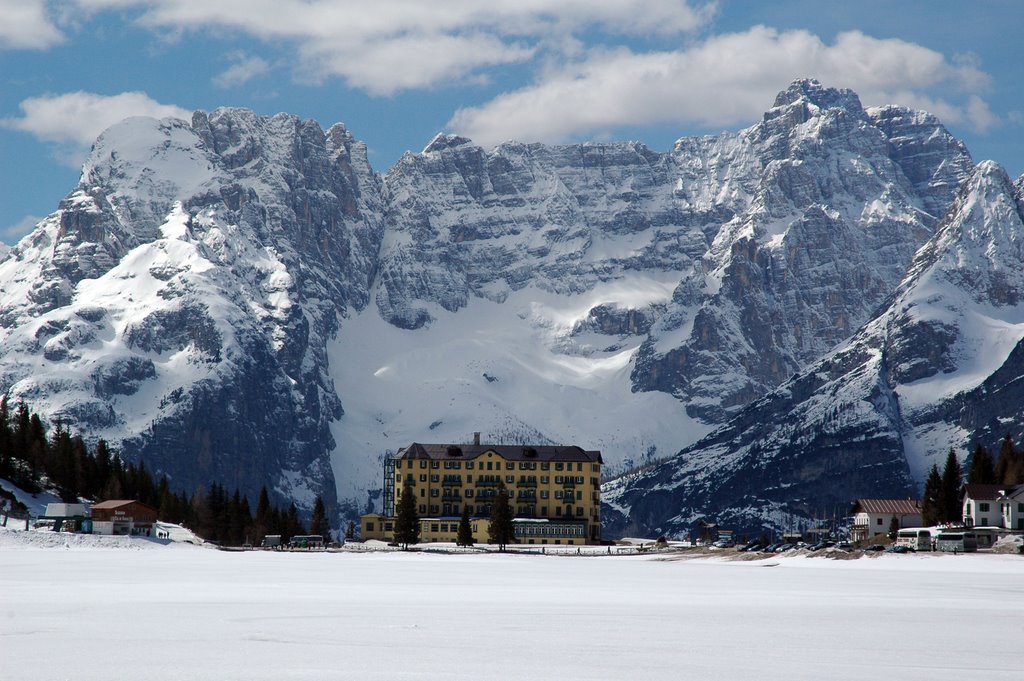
(407, 522)
(318, 523)
(982, 471)
(894, 528)
(501, 531)
(350, 531)
(465, 534)
(950, 508)
(930, 499)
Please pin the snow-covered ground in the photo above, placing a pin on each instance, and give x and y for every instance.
(183, 612)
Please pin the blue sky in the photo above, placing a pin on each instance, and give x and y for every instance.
(396, 72)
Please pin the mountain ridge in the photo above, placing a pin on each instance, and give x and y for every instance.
(538, 292)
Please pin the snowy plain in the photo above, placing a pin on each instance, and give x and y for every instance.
(91, 610)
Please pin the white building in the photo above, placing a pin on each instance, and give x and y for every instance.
(875, 516)
(994, 506)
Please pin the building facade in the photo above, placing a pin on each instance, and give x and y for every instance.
(124, 517)
(875, 516)
(994, 506)
(554, 491)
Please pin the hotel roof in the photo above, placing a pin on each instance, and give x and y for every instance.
(449, 452)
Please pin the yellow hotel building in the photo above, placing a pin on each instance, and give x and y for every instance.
(555, 492)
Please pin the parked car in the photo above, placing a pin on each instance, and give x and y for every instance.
(844, 546)
(785, 547)
(771, 547)
(875, 547)
(749, 546)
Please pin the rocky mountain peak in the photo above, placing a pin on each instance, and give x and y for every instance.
(442, 142)
(810, 92)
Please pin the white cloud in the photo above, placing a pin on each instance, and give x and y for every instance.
(74, 120)
(12, 233)
(242, 71)
(724, 80)
(386, 47)
(24, 24)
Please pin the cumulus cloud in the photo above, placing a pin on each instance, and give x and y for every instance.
(74, 120)
(386, 47)
(26, 25)
(242, 71)
(722, 81)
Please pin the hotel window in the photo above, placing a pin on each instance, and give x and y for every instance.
(434, 492)
(369, 527)
(878, 522)
(469, 494)
(433, 527)
(559, 466)
(579, 479)
(558, 479)
(579, 467)
(543, 494)
(1020, 508)
(983, 506)
(423, 491)
(435, 464)
(543, 510)
(423, 463)
(579, 495)
(489, 464)
(434, 477)
(423, 508)
(388, 527)
(398, 477)
(444, 527)
(558, 494)
(510, 479)
(544, 465)
(579, 510)
(433, 508)
(510, 466)
(423, 477)
(469, 465)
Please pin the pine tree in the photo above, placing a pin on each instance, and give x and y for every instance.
(318, 523)
(407, 522)
(350, 531)
(982, 471)
(465, 534)
(930, 499)
(950, 508)
(501, 530)
(894, 528)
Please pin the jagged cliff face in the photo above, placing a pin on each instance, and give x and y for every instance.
(935, 368)
(212, 293)
(179, 301)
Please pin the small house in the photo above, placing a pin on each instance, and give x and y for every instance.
(123, 517)
(875, 516)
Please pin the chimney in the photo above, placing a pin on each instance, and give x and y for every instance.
(476, 438)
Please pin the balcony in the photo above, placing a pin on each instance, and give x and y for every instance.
(451, 482)
(488, 482)
(526, 482)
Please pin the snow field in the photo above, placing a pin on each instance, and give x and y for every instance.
(181, 612)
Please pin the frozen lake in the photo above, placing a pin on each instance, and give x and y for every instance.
(180, 612)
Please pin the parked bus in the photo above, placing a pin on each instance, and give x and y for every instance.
(307, 541)
(916, 538)
(956, 542)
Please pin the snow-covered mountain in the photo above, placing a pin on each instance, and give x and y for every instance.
(937, 367)
(213, 292)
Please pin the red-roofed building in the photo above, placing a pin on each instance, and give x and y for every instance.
(123, 516)
(874, 516)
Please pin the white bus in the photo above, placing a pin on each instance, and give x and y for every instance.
(916, 538)
(956, 542)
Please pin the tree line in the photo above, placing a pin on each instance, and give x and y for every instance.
(34, 460)
(942, 501)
